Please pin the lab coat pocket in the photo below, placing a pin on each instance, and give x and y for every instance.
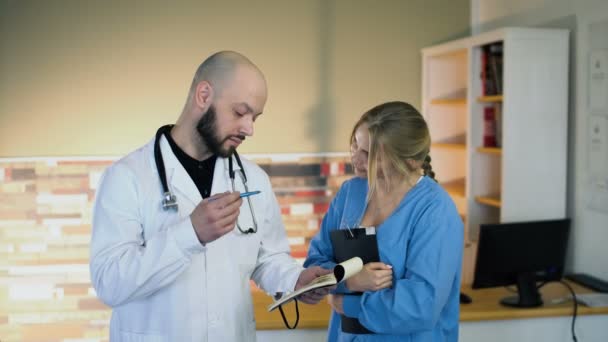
(139, 337)
(246, 248)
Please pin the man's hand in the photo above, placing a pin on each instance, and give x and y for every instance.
(373, 277)
(308, 275)
(337, 303)
(215, 216)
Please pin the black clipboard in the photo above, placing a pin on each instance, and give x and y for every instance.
(348, 243)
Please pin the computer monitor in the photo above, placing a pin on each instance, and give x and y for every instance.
(522, 254)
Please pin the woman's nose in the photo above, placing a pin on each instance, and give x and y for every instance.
(359, 160)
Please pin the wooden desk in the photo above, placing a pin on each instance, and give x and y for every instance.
(485, 307)
(486, 304)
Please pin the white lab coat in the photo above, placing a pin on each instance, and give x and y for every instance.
(148, 265)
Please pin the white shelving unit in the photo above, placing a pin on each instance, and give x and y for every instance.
(525, 178)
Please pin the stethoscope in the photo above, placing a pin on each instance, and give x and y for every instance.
(169, 201)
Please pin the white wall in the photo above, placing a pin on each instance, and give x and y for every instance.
(588, 250)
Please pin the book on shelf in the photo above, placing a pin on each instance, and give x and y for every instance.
(495, 60)
(483, 72)
(489, 126)
(498, 123)
(492, 125)
(341, 272)
(491, 69)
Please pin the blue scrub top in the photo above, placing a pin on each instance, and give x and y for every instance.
(423, 240)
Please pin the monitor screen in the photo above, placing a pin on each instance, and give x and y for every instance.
(521, 254)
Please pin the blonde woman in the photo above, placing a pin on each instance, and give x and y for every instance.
(412, 294)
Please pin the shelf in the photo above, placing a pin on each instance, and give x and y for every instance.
(490, 150)
(491, 200)
(453, 101)
(455, 187)
(482, 180)
(448, 146)
(492, 98)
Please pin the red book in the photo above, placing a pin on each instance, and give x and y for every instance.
(489, 127)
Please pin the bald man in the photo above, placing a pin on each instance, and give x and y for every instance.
(174, 246)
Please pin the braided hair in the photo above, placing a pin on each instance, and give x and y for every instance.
(427, 168)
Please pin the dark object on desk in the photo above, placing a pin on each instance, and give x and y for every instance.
(465, 299)
(521, 254)
(349, 243)
(589, 281)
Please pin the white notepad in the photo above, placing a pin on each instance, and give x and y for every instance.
(593, 299)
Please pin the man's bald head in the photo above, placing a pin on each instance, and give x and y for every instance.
(218, 70)
(227, 94)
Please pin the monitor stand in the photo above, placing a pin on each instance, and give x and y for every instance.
(528, 295)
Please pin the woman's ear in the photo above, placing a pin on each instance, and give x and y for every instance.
(413, 164)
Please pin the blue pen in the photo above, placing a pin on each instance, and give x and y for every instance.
(242, 195)
(250, 193)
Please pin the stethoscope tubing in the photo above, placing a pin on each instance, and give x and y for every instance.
(169, 201)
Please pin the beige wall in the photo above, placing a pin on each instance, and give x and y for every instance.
(98, 77)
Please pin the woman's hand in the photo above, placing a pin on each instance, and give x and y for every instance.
(373, 277)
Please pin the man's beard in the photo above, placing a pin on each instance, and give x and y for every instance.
(207, 128)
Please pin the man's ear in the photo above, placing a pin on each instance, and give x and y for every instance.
(203, 95)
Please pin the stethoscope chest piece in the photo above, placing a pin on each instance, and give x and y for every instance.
(169, 201)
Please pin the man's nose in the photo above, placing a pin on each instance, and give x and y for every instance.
(247, 125)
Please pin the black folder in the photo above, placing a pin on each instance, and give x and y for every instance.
(349, 243)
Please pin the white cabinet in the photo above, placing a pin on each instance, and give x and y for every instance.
(524, 177)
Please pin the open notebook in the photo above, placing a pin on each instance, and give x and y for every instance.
(342, 271)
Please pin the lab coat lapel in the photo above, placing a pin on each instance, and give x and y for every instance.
(221, 178)
(177, 177)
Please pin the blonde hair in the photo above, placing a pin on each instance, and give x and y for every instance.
(397, 132)
(363, 119)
